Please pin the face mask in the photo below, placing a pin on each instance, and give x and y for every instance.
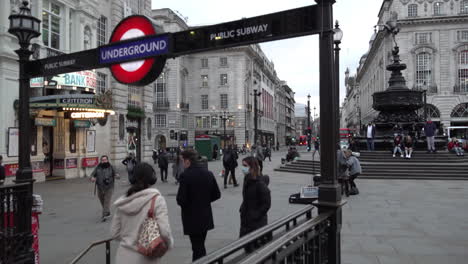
(245, 170)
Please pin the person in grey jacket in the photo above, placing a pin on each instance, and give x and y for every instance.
(343, 174)
(104, 177)
(354, 167)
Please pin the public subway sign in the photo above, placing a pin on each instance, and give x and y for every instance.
(137, 53)
(134, 71)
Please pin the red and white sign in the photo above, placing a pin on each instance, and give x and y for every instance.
(89, 162)
(139, 72)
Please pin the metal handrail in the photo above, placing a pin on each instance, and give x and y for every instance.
(96, 243)
(218, 255)
(274, 247)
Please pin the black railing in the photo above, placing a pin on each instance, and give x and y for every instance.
(15, 224)
(296, 238)
(184, 106)
(97, 243)
(161, 104)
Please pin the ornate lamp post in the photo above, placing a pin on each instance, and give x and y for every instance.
(255, 94)
(224, 117)
(25, 27)
(337, 36)
(309, 130)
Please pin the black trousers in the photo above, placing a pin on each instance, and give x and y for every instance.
(163, 172)
(198, 245)
(233, 175)
(260, 164)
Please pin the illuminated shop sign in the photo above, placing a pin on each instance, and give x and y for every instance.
(83, 115)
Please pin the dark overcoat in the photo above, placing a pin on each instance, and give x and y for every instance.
(256, 201)
(197, 190)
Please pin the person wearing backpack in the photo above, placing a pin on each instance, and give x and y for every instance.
(230, 164)
(130, 162)
(256, 199)
(132, 211)
(163, 163)
(104, 177)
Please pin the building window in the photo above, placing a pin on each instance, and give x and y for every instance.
(87, 38)
(51, 28)
(202, 122)
(160, 90)
(214, 121)
(462, 35)
(460, 110)
(423, 70)
(101, 82)
(204, 102)
(464, 7)
(101, 31)
(223, 61)
(121, 127)
(224, 101)
(204, 63)
(438, 8)
(413, 10)
(223, 79)
(423, 38)
(463, 71)
(160, 120)
(184, 121)
(204, 80)
(134, 96)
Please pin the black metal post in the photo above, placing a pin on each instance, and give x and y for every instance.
(255, 94)
(309, 130)
(329, 190)
(337, 80)
(425, 105)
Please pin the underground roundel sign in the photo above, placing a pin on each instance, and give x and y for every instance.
(136, 72)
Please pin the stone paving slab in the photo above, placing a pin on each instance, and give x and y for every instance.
(390, 222)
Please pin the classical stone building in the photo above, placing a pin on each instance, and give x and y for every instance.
(284, 114)
(65, 143)
(433, 41)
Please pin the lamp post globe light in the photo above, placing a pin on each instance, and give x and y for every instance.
(25, 27)
(337, 36)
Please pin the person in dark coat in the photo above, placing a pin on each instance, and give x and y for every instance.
(256, 199)
(104, 177)
(163, 162)
(197, 190)
(2, 171)
(130, 162)
(155, 156)
(230, 164)
(430, 130)
(370, 136)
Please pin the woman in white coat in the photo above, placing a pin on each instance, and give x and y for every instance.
(131, 211)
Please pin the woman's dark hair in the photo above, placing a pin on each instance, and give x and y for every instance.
(254, 167)
(191, 155)
(145, 176)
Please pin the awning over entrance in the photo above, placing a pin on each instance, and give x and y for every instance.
(101, 102)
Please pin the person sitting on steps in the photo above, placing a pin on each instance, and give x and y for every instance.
(408, 143)
(455, 146)
(397, 142)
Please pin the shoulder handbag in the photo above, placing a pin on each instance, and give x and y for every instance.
(150, 242)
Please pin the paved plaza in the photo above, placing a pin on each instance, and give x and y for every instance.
(391, 221)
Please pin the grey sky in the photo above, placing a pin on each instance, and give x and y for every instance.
(296, 60)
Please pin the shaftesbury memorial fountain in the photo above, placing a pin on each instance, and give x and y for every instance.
(397, 104)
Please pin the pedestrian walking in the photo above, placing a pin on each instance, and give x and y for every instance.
(257, 152)
(370, 136)
(155, 156)
(397, 143)
(230, 164)
(178, 167)
(408, 144)
(343, 173)
(163, 163)
(132, 210)
(2, 171)
(104, 178)
(130, 162)
(197, 190)
(354, 168)
(256, 200)
(430, 130)
(267, 153)
(455, 147)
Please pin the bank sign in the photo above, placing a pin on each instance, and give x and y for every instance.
(84, 79)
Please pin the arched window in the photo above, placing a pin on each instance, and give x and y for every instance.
(87, 38)
(438, 8)
(463, 71)
(464, 7)
(423, 69)
(432, 111)
(460, 110)
(413, 10)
